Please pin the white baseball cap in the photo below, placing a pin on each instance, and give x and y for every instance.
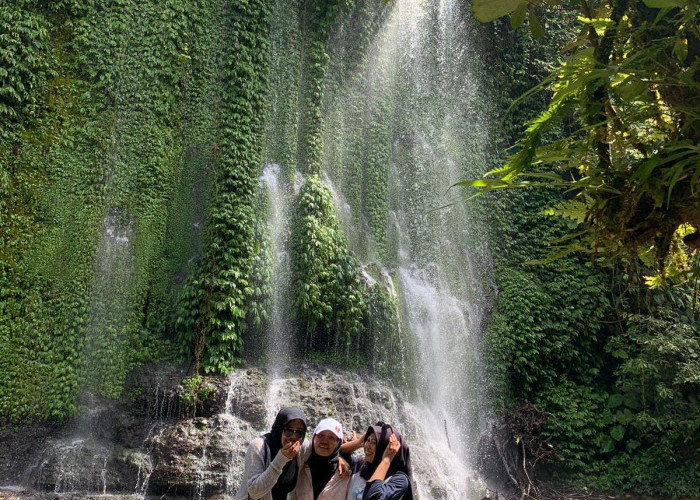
(330, 424)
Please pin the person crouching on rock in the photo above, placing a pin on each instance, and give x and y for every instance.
(386, 472)
(325, 476)
(273, 461)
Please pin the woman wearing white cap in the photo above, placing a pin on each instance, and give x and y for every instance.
(320, 479)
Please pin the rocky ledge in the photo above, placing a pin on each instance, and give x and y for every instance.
(174, 437)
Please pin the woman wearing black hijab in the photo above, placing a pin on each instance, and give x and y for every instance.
(273, 461)
(386, 472)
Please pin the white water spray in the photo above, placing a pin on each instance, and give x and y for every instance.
(280, 332)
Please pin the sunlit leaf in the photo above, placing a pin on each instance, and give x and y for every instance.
(680, 49)
(571, 209)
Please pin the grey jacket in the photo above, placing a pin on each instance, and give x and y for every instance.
(261, 472)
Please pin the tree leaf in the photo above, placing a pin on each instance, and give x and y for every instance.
(615, 400)
(680, 49)
(517, 18)
(535, 25)
(488, 10)
(617, 432)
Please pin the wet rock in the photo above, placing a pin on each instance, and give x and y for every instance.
(19, 446)
(75, 464)
(247, 397)
(150, 391)
(199, 455)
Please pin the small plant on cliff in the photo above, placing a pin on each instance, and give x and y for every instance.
(195, 392)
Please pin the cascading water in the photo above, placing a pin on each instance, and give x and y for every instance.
(235, 463)
(274, 402)
(341, 206)
(79, 462)
(424, 65)
(280, 337)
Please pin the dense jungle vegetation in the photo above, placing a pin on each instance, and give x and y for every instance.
(132, 137)
(606, 340)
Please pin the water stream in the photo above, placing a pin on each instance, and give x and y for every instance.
(280, 338)
(423, 61)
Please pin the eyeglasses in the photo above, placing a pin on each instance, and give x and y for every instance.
(293, 432)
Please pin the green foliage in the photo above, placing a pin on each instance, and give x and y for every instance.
(632, 157)
(283, 96)
(25, 66)
(386, 346)
(89, 160)
(656, 404)
(260, 302)
(376, 175)
(539, 318)
(195, 392)
(591, 385)
(320, 17)
(328, 294)
(581, 423)
(641, 434)
(214, 304)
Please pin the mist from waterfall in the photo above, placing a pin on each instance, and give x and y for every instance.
(280, 332)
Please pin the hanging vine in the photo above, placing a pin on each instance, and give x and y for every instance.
(215, 302)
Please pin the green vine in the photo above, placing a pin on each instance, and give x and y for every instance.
(328, 294)
(214, 305)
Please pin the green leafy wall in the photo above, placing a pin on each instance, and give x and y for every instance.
(132, 139)
(88, 163)
(216, 300)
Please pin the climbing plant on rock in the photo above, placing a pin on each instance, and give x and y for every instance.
(320, 17)
(89, 153)
(215, 302)
(283, 96)
(326, 287)
(328, 294)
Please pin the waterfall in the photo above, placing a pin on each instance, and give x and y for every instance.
(402, 122)
(423, 63)
(79, 461)
(280, 336)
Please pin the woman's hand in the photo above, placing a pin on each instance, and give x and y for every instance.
(389, 453)
(290, 450)
(392, 449)
(354, 444)
(343, 468)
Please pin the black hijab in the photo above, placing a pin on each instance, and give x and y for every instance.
(322, 468)
(288, 479)
(400, 463)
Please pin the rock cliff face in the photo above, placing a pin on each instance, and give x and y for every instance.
(158, 439)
